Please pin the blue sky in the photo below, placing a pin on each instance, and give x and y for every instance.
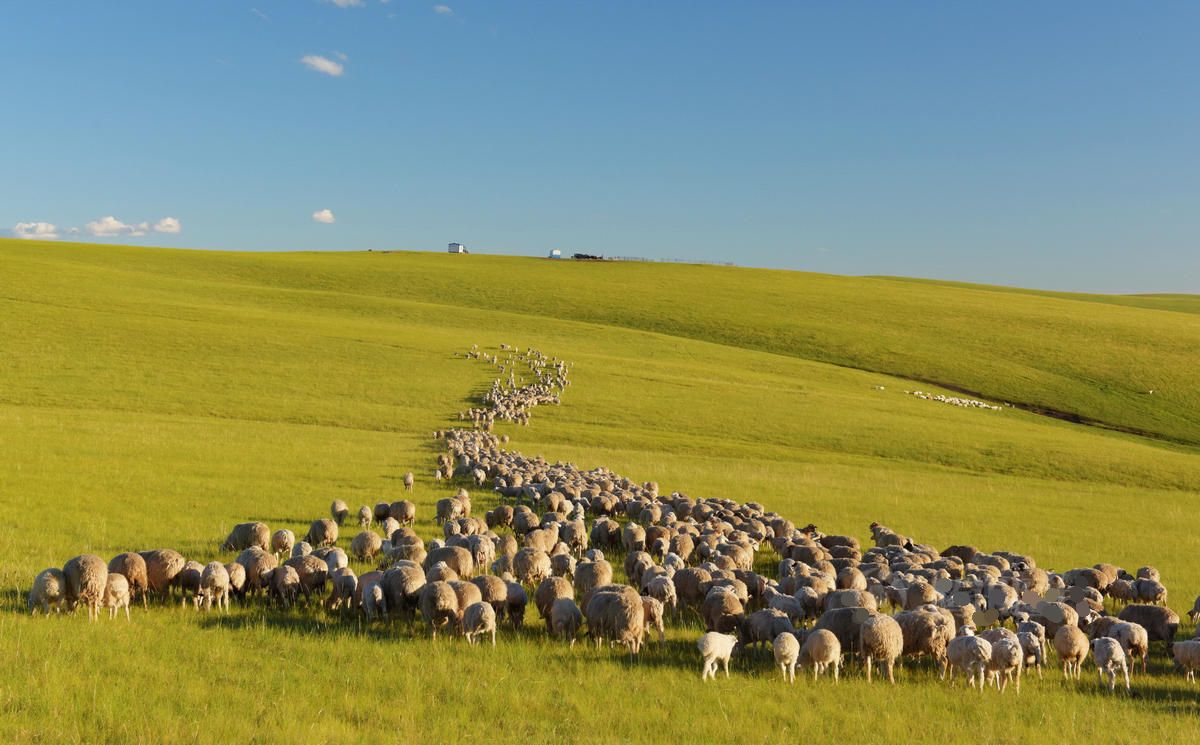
(1051, 145)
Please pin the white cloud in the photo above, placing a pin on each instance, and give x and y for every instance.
(347, 3)
(322, 64)
(323, 216)
(43, 231)
(444, 10)
(111, 227)
(168, 225)
(341, 55)
(260, 14)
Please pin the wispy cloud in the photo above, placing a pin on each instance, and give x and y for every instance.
(43, 231)
(443, 10)
(346, 3)
(323, 65)
(323, 216)
(260, 14)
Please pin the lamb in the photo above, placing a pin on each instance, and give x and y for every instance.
(479, 618)
(366, 545)
(282, 542)
(715, 648)
(323, 532)
(1161, 623)
(246, 535)
(1008, 657)
(821, 649)
(86, 577)
(880, 639)
(565, 619)
(972, 655)
(116, 595)
(787, 652)
(133, 567)
(1109, 659)
(214, 586)
(439, 605)
(1187, 657)
(1071, 644)
(339, 511)
(48, 591)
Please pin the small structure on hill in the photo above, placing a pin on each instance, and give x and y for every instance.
(555, 253)
(457, 248)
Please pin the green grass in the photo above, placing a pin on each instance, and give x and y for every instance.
(154, 398)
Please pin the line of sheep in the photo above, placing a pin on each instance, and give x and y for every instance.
(987, 615)
(512, 399)
(954, 400)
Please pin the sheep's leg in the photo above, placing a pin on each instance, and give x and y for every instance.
(890, 674)
(725, 662)
(868, 668)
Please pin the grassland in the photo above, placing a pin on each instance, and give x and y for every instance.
(154, 398)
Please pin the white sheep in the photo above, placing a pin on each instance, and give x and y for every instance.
(479, 618)
(1110, 658)
(787, 653)
(972, 655)
(1187, 656)
(48, 591)
(1008, 658)
(821, 649)
(116, 595)
(716, 648)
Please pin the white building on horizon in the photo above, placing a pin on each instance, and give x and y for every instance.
(457, 248)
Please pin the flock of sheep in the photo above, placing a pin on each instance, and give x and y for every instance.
(970, 403)
(989, 616)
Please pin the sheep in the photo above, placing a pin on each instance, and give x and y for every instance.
(1194, 613)
(880, 639)
(845, 624)
(589, 575)
(133, 567)
(1034, 650)
(322, 532)
(492, 590)
(258, 565)
(303, 548)
(366, 545)
(663, 590)
(402, 587)
(343, 583)
(86, 577)
(821, 649)
(214, 586)
(237, 579)
(565, 619)
(335, 558)
(563, 565)
(1161, 623)
(927, 632)
(762, 626)
(456, 557)
(365, 517)
(382, 511)
(189, 580)
(1187, 657)
(374, 601)
(715, 648)
(722, 611)
(408, 481)
(247, 535)
(787, 652)
(313, 573)
(514, 606)
(652, 617)
(1008, 658)
(531, 566)
(479, 618)
(284, 585)
(1134, 641)
(972, 655)
(163, 565)
(116, 595)
(440, 572)
(548, 591)
(1109, 659)
(282, 542)
(403, 512)
(439, 605)
(615, 613)
(339, 511)
(1071, 644)
(1149, 591)
(48, 591)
